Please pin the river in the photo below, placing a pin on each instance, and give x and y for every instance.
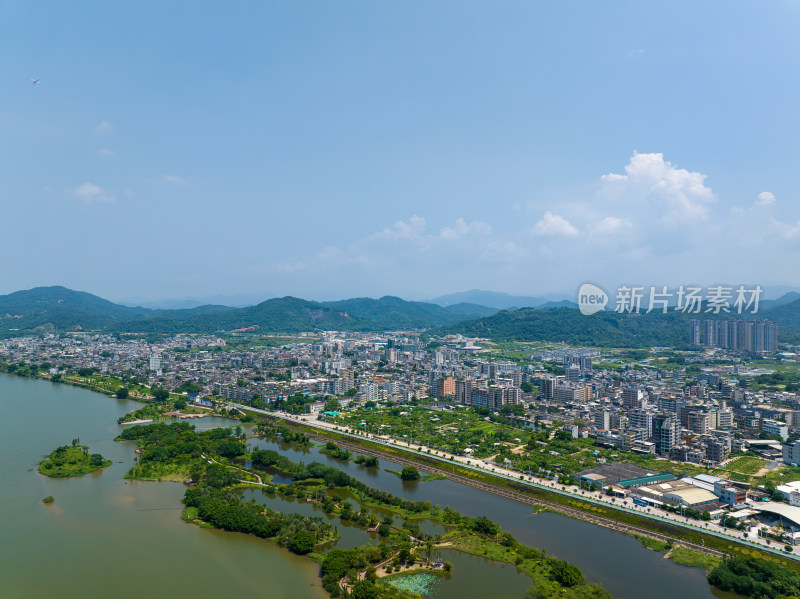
(105, 535)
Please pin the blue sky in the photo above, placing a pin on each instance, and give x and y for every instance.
(340, 149)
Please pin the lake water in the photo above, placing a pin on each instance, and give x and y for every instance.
(105, 536)
(108, 536)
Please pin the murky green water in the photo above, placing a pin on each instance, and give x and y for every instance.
(105, 536)
(472, 576)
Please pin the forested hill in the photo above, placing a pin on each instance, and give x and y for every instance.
(604, 329)
(611, 329)
(60, 309)
(291, 314)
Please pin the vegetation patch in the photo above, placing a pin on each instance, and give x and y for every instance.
(745, 465)
(74, 460)
(653, 544)
(334, 451)
(175, 451)
(756, 578)
(687, 557)
(422, 583)
(552, 577)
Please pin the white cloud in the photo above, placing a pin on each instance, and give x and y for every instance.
(676, 195)
(611, 177)
(89, 193)
(331, 253)
(176, 180)
(553, 224)
(461, 228)
(105, 152)
(610, 225)
(766, 198)
(785, 230)
(413, 229)
(104, 128)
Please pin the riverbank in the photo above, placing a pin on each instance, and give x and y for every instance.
(216, 501)
(580, 506)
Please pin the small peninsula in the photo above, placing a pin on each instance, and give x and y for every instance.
(75, 460)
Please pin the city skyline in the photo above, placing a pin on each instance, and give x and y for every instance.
(410, 151)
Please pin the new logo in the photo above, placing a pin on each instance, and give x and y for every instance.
(591, 299)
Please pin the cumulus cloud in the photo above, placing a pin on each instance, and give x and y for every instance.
(610, 225)
(676, 195)
(461, 228)
(766, 198)
(785, 230)
(413, 229)
(554, 224)
(90, 193)
(175, 179)
(104, 128)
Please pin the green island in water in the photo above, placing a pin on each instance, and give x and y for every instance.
(72, 460)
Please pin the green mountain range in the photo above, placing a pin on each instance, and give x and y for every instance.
(54, 309)
(60, 309)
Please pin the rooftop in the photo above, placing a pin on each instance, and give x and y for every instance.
(614, 471)
(645, 480)
(787, 512)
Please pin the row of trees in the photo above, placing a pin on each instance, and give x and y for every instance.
(226, 510)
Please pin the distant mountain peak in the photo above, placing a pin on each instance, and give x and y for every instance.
(498, 300)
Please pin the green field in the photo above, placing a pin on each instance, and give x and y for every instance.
(748, 465)
(687, 557)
